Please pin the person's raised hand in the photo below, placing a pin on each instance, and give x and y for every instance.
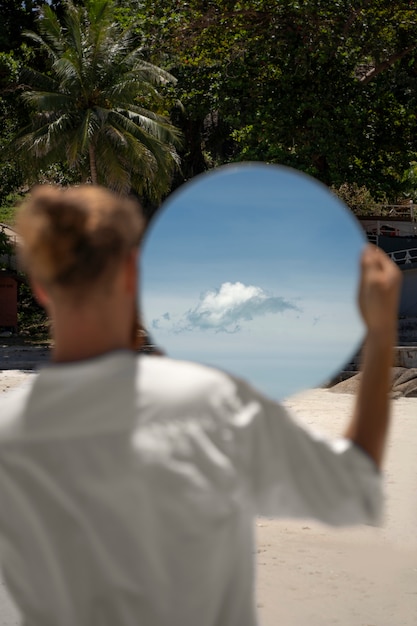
(379, 291)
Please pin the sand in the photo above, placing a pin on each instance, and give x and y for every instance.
(311, 575)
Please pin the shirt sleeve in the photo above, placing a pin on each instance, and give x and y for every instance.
(296, 472)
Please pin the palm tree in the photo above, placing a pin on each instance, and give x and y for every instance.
(97, 109)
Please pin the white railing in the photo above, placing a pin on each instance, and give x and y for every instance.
(372, 238)
(404, 257)
(408, 210)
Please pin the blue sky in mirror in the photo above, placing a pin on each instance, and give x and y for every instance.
(254, 268)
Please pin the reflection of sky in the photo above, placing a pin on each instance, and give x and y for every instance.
(294, 252)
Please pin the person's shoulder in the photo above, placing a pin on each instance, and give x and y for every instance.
(173, 378)
(167, 382)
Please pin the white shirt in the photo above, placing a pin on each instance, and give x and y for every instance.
(129, 485)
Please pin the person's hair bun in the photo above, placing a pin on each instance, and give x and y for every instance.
(72, 237)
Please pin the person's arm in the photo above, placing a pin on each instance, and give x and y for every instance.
(378, 302)
(296, 472)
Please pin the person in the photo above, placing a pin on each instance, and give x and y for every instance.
(129, 483)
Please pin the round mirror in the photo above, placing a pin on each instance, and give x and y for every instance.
(254, 269)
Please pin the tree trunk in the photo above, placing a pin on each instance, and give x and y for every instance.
(93, 164)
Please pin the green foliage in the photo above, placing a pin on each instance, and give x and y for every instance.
(409, 181)
(358, 199)
(322, 86)
(31, 317)
(16, 16)
(8, 208)
(328, 87)
(98, 108)
(10, 175)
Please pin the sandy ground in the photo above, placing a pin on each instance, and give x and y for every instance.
(308, 574)
(311, 575)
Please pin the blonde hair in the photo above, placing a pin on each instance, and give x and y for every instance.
(73, 237)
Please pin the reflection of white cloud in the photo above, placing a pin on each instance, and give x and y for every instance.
(223, 309)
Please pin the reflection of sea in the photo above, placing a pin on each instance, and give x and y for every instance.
(281, 381)
(278, 376)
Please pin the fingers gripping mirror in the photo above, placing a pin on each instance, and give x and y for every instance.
(254, 269)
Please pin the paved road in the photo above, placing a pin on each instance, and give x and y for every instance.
(22, 358)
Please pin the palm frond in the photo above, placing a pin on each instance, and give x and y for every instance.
(153, 73)
(113, 169)
(37, 80)
(101, 31)
(51, 28)
(164, 153)
(67, 73)
(48, 101)
(41, 43)
(35, 143)
(133, 121)
(153, 124)
(73, 34)
(98, 11)
(100, 93)
(85, 128)
(120, 46)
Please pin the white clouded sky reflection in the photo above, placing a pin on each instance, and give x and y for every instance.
(254, 269)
